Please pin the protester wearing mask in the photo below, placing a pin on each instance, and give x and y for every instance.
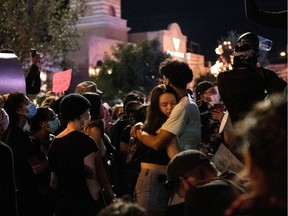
(26, 155)
(32, 110)
(72, 162)
(212, 111)
(43, 125)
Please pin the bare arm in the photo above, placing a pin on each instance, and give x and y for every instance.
(102, 175)
(91, 179)
(172, 148)
(155, 142)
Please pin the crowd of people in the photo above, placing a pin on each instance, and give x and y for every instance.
(154, 154)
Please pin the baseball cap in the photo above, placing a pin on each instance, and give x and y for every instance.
(183, 162)
(87, 86)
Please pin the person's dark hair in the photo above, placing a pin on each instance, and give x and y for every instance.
(96, 123)
(12, 104)
(55, 105)
(43, 114)
(179, 73)
(95, 109)
(264, 135)
(134, 95)
(123, 208)
(154, 117)
(73, 106)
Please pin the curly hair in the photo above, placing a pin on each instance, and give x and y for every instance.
(179, 73)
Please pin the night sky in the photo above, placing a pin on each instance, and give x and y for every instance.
(203, 21)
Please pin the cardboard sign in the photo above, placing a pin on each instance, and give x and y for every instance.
(225, 160)
(61, 81)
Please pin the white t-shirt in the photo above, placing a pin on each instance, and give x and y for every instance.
(185, 123)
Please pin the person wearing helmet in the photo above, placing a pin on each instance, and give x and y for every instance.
(247, 83)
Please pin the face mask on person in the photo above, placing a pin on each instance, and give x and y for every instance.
(4, 121)
(53, 125)
(215, 99)
(32, 110)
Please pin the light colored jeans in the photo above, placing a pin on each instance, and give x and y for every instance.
(150, 192)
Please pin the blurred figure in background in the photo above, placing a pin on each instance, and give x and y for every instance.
(264, 135)
(194, 177)
(212, 111)
(8, 204)
(44, 124)
(95, 129)
(115, 135)
(27, 157)
(123, 208)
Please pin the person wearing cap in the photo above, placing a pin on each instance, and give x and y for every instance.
(194, 177)
(247, 83)
(87, 86)
(72, 161)
(212, 112)
(115, 134)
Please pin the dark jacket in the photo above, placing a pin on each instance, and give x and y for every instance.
(241, 88)
(215, 196)
(33, 81)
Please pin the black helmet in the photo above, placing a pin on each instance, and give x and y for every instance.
(246, 50)
(250, 39)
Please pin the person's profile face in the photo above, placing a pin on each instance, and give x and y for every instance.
(167, 102)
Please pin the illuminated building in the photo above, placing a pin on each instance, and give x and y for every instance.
(102, 27)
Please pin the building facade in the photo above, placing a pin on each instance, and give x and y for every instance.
(102, 27)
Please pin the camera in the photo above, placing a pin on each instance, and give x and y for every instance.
(33, 52)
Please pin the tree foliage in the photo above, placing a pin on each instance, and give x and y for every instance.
(47, 25)
(133, 66)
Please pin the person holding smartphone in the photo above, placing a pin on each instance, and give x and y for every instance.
(33, 81)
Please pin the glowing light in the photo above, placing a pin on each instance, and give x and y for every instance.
(177, 54)
(94, 71)
(176, 43)
(283, 54)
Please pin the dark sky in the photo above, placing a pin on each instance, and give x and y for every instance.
(203, 21)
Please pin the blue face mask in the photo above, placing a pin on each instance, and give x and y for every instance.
(54, 125)
(32, 110)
